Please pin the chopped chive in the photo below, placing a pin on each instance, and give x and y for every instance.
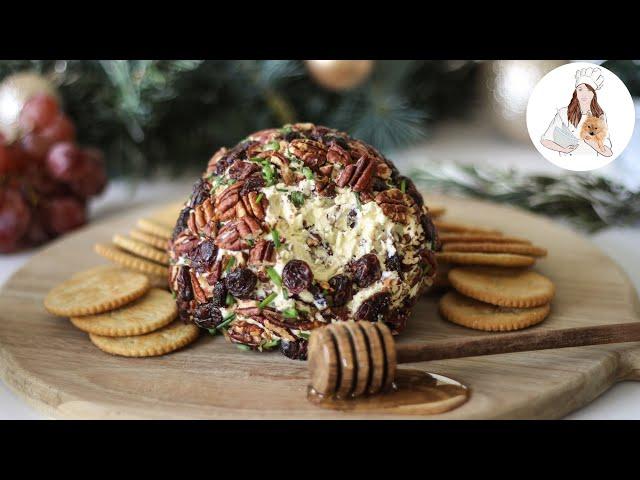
(212, 331)
(285, 293)
(268, 174)
(174, 295)
(273, 275)
(250, 242)
(283, 190)
(259, 197)
(226, 321)
(403, 186)
(304, 335)
(255, 159)
(290, 313)
(230, 264)
(270, 344)
(276, 238)
(229, 300)
(297, 198)
(358, 202)
(240, 346)
(267, 300)
(274, 145)
(307, 173)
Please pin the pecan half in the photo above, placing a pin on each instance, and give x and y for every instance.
(232, 235)
(395, 205)
(359, 176)
(312, 153)
(204, 219)
(264, 251)
(198, 292)
(250, 206)
(337, 154)
(227, 201)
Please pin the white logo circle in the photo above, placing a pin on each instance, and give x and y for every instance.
(580, 116)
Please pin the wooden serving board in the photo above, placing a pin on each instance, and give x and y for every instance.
(57, 369)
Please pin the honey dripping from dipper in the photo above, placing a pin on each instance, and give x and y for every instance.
(430, 393)
(353, 367)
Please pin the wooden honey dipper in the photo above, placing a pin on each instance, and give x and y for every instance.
(350, 359)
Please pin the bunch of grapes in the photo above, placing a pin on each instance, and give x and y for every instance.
(46, 179)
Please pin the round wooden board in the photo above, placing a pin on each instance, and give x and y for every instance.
(56, 368)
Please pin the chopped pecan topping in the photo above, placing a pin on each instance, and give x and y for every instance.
(246, 333)
(264, 251)
(233, 234)
(311, 152)
(325, 187)
(359, 176)
(396, 205)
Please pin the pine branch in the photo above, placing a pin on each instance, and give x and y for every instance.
(587, 201)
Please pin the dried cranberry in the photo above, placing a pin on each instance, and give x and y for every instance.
(366, 270)
(181, 224)
(430, 231)
(394, 263)
(185, 291)
(397, 320)
(201, 191)
(352, 218)
(342, 290)
(240, 169)
(207, 315)
(296, 350)
(374, 307)
(241, 282)
(297, 276)
(252, 184)
(219, 295)
(379, 185)
(203, 256)
(292, 135)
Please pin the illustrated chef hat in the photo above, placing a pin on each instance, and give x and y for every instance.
(590, 76)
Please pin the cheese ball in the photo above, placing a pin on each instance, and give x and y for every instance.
(295, 228)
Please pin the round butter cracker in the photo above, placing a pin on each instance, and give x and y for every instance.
(503, 287)
(471, 313)
(172, 337)
(148, 313)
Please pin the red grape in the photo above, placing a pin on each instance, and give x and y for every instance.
(65, 162)
(64, 214)
(35, 146)
(92, 176)
(59, 130)
(37, 233)
(38, 113)
(5, 160)
(14, 219)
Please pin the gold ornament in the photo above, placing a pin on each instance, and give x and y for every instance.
(339, 75)
(507, 85)
(15, 90)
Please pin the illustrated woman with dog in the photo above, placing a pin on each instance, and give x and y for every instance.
(581, 127)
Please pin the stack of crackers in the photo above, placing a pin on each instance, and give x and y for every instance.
(494, 287)
(122, 313)
(144, 250)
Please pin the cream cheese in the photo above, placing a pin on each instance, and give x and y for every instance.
(326, 221)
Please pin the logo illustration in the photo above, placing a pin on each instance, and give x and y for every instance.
(580, 116)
